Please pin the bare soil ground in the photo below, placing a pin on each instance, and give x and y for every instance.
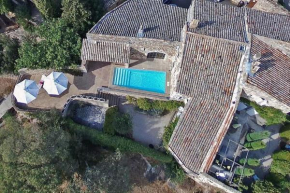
(6, 86)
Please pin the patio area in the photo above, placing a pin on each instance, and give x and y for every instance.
(99, 74)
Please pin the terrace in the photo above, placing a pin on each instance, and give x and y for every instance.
(99, 75)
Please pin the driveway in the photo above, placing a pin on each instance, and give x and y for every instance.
(147, 129)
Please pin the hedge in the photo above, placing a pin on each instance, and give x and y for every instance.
(250, 161)
(113, 142)
(270, 114)
(148, 104)
(285, 132)
(247, 172)
(168, 132)
(256, 145)
(258, 135)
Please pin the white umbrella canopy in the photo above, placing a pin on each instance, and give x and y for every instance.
(26, 91)
(55, 83)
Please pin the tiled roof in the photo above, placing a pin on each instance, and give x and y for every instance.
(270, 25)
(159, 21)
(105, 51)
(273, 77)
(208, 75)
(218, 20)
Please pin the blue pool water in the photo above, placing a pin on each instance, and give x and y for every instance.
(153, 81)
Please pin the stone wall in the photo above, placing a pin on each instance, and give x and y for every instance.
(262, 98)
(143, 45)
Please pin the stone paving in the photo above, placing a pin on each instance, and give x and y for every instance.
(5, 105)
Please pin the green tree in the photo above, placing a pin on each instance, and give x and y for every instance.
(281, 167)
(256, 145)
(244, 171)
(48, 8)
(144, 104)
(264, 187)
(34, 158)
(270, 114)
(76, 15)
(258, 135)
(96, 7)
(250, 161)
(6, 6)
(23, 16)
(60, 47)
(110, 175)
(8, 54)
(285, 131)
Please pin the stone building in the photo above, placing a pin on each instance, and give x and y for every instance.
(211, 51)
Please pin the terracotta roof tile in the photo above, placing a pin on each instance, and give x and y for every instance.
(159, 21)
(218, 20)
(273, 77)
(105, 51)
(208, 74)
(270, 25)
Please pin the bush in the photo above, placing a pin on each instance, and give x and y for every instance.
(23, 16)
(168, 132)
(109, 126)
(114, 142)
(8, 54)
(270, 114)
(285, 131)
(258, 135)
(144, 104)
(256, 145)
(245, 172)
(281, 167)
(117, 122)
(176, 173)
(155, 105)
(264, 187)
(281, 155)
(250, 161)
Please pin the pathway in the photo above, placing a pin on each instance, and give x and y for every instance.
(5, 106)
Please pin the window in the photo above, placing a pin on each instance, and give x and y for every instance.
(156, 55)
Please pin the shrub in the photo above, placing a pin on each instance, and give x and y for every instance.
(176, 173)
(155, 105)
(117, 122)
(264, 187)
(250, 161)
(256, 145)
(168, 132)
(281, 167)
(258, 135)
(285, 131)
(114, 142)
(144, 104)
(123, 123)
(109, 126)
(270, 114)
(282, 155)
(23, 16)
(245, 172)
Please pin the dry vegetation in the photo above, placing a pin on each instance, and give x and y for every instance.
(6, 86)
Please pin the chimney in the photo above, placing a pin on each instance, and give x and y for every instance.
(140, 32)
(193, 24)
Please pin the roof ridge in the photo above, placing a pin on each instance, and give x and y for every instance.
(219, 39)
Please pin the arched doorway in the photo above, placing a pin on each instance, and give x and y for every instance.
(156, 55)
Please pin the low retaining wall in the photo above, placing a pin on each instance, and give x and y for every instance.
(100, 102)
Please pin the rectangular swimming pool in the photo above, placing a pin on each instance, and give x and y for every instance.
(153, 81)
